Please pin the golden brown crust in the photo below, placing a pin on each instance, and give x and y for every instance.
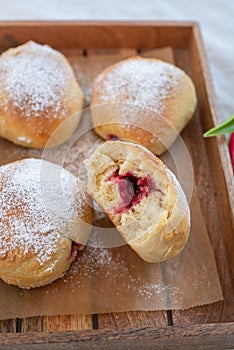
(35, 236)
(38, 92)
(157, 227)
(153, 101)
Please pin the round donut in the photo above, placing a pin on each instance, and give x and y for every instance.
(142, 198)
(35, 226)
(144, 100)
(38, 92)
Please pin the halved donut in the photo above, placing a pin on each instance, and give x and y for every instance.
(142, 198)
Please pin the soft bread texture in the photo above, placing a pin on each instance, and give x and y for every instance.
(38, 92)
(144, 100)
(157, 226)
(35, 248)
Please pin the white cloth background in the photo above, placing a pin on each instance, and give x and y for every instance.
(214, 16)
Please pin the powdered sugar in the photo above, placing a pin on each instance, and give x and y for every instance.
(25, 221)
(138, 82)
(24, 139)
(108, 264)
(35, 81)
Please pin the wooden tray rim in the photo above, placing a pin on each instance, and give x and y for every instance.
(207, 333)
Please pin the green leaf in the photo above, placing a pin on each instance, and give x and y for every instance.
(224, 128)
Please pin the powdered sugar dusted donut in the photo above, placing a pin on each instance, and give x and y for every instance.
(152, 102)
(38, 92)
(142, 197)
(35, 248)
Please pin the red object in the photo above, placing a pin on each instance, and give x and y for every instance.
(74, 250)
(231, 149)
(112, 137)
(132, 189)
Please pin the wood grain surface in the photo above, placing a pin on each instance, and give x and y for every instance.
(212, 336)
(97, 35)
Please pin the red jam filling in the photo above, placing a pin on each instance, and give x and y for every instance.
(74, 250)
(132, 189)
(112, 137)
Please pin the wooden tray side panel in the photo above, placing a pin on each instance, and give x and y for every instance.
(221, 173)
(215, 337)
(221, 311)
(85, 35)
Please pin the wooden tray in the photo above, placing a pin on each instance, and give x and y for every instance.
(205, 327)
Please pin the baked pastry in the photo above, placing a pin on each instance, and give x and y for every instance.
(35, 248)
(144, 100)
(38, 92)
(142, 198)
